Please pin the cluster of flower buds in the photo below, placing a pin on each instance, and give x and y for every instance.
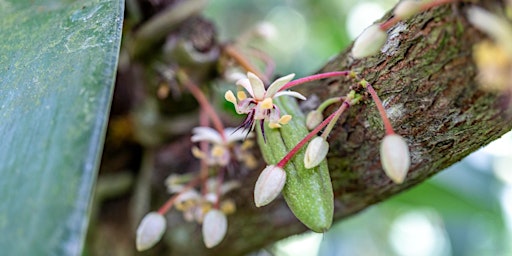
(196, 207)
(394, 150)
(206, 207)
(194, 204)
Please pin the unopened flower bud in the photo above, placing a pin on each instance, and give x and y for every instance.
(394, 156)
(313, 119)
(269, 185)
(215, 226)
(407, 8)
(369, 42)
(150, 231)
(265, 30)
(315, 152)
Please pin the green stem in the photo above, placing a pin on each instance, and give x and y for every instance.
(328, 102)
(203, 102)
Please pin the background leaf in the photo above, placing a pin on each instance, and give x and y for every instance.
(57, 67)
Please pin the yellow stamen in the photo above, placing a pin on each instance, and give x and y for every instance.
(197, 153)
(229, 96)
(241, 95)
(180, 206)
(185, 205)
(228, 206)
(267, 103)
(218, 151)
(247, 144)
(205, 207)
(285, 119)
(274, 125)
(250, 162)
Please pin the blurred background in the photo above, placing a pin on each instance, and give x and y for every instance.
(464, 210)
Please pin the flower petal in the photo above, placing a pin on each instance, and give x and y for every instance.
(246, 84)
(258, 88)
(204, 133)
(259, 112)
(278, 84)
(245, 106)
(290, 93)
(186, 195)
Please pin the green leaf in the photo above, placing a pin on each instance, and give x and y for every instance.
(57, 67)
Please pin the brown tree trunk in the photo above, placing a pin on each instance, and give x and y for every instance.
(427, 80)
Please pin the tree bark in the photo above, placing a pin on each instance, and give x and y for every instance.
(426, 78)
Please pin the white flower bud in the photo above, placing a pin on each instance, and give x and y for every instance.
(407, 8)
(215, 226)
(265, 30)
(394, 156)
(313, 119)
(369, 42)
(269, 185)
(150, 231)
(315, 152)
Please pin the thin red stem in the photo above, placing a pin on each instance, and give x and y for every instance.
(313, 133)
(232, 52)
(203, 145)
(205, 105)
(220, 180)
(313, 78)
(167, 206)
(269, 63)
(382, 111)
(388, 23)
(432, 4)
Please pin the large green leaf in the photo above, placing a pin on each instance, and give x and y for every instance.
(57, 67)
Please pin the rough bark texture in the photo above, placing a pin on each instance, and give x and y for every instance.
(427, 80)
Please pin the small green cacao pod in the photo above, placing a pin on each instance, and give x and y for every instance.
(308, 192)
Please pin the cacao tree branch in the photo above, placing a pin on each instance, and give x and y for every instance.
(426, 78)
